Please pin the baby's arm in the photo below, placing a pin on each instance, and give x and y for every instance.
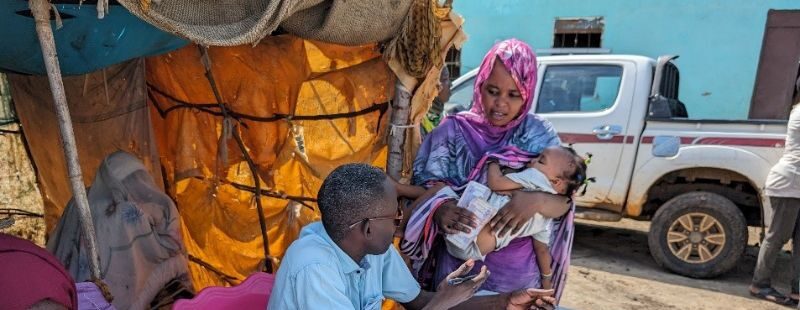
(408, 191)
(486, 240)
(544, 260)
(497, 181)
(422, 196)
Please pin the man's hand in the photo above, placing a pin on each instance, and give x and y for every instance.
(448, 296)
(531, 299)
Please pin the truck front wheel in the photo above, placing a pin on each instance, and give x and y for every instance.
(698, 235)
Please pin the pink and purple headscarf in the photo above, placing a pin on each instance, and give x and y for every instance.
(453, 150)
(520, 60)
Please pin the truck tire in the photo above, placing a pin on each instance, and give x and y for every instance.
(698, 235)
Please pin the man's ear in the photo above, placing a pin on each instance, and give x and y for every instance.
(366, 229)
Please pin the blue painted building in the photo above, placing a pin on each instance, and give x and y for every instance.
(719, 41)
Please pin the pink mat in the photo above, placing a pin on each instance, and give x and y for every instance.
(252, 293)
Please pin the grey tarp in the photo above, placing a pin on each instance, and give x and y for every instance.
(138, 234)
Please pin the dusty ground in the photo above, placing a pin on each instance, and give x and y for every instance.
(612, 269)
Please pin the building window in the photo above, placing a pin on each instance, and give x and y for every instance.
(584, 32)
(453, 63)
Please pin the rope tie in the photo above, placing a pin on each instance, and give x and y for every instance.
(299, 139)
(396, 129)
(103, 289)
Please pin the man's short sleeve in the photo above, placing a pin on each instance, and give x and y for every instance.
(318, 284)
(398, 283)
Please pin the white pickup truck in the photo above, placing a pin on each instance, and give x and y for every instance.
(699, 181)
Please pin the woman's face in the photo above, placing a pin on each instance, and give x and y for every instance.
(501, 99)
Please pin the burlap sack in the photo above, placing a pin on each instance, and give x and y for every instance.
(237, 22)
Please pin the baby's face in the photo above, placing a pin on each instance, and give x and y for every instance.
(555, 163)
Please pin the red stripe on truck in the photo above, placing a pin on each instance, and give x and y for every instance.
(725, 141)
(742, 142)
(571, 138)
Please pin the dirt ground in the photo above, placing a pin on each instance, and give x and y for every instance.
(612, 269)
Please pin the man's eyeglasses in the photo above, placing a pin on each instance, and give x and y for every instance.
(398, 219)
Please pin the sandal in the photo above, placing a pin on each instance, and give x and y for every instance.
(770, 294)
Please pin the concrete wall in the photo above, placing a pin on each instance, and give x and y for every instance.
(719, 41)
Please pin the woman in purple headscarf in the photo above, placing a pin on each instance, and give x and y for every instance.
(498, 126)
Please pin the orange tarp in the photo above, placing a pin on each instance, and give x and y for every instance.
(282, 75)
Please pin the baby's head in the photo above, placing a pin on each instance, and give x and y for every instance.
(565, 169)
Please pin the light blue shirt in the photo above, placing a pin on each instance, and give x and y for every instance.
(317, 274)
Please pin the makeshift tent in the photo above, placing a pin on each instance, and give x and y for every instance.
(297, 107)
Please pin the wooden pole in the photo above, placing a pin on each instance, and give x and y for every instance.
(41, 14)
(401, 111)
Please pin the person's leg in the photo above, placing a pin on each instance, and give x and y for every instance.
(780, 230)
(795, 263)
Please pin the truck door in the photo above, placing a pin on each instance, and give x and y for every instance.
(589, 104)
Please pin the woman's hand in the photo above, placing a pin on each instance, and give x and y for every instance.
(451, 219)
(523, 206)
(448, 296)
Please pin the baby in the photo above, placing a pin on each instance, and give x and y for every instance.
(557, 170)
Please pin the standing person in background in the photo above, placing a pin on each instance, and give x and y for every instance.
(435, 113)
(783, 189)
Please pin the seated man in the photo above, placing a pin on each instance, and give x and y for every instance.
(347, 261)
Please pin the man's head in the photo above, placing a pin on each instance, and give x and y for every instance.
(359, 205)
